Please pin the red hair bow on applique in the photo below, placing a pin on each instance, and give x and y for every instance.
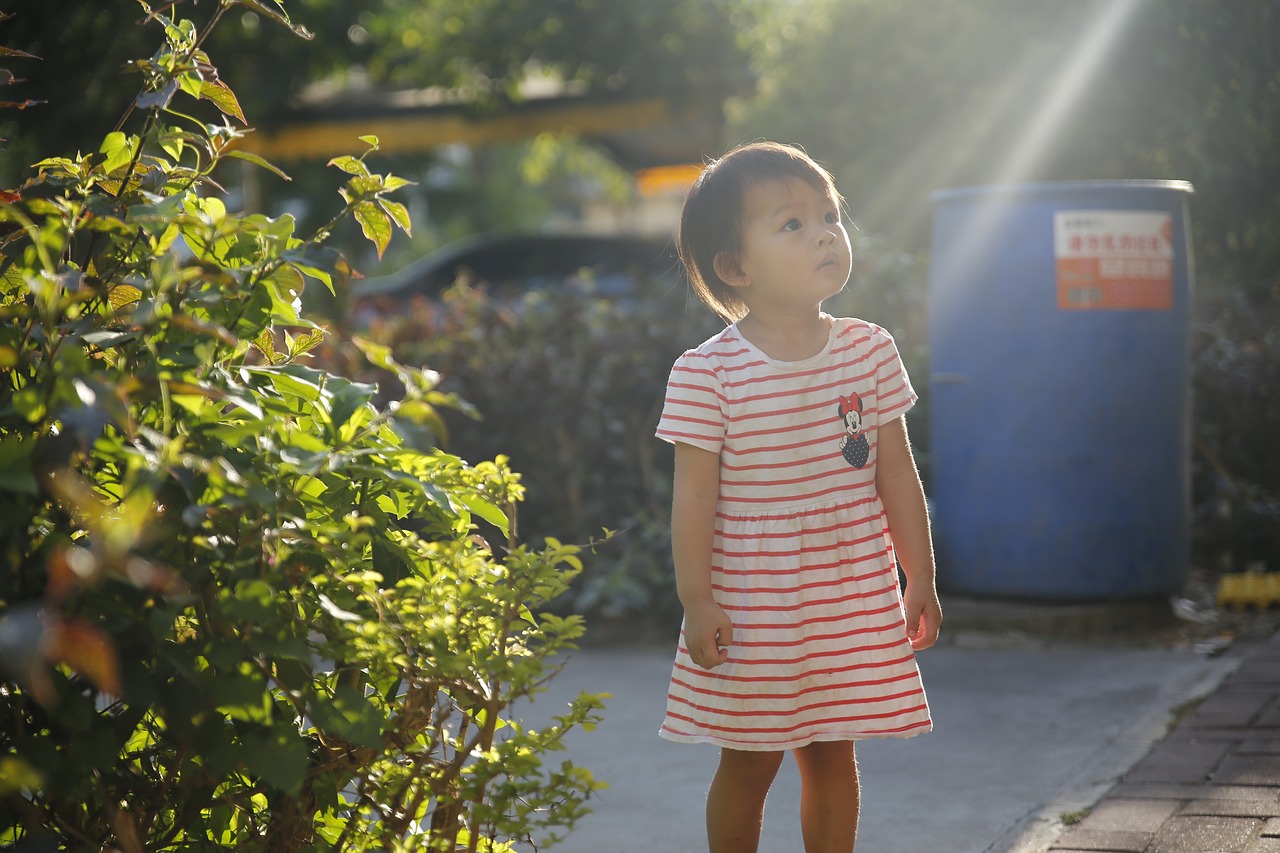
(852, 403)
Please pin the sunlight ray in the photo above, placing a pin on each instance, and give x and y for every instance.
(929, 165)
(1099, 39)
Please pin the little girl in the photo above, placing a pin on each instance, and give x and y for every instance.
(795, 490)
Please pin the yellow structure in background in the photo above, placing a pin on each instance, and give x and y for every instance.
(1249, 589)
(416, 131)
(657, 141)
(664, 180)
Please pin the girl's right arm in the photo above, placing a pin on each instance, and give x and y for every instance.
(707, 629)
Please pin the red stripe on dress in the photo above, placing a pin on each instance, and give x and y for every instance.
(693, 436)
(813, 656)
(807, 497)
(793, 375)
(820, 567)
(791, 677)
(841, 524)
(803, 709)
(815, 532)
(800, 513)
(785, 590)
(825, 461)
(764, 572)
(820, 655)
(796, 694)
(778, 730)
(846, 347)
(820, 638)
(686, 419)
(782, 744)
(791, 608)
(791, 463)
(822, 620)
(791, 391)
(810, 570)
(676, 402)
(701, 391)
(778, 448)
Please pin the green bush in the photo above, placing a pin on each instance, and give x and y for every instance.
(1236, 393)
(570, 385)
(243, 604)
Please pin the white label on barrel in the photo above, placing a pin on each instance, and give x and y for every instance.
(1114, 259)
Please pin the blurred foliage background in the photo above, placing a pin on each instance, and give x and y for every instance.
(898, 99)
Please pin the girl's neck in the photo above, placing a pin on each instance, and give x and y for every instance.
(787, 337)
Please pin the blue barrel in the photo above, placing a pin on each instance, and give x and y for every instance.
(1059, 329)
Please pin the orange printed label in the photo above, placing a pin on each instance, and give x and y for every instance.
(1114, 259)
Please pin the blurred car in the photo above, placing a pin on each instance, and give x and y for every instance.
(511, 265)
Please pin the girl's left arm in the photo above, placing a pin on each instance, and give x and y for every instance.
(898, 483)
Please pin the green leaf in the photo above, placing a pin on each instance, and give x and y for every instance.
(119, 150)
(375, 224)
(350, 716)
(242, 695)
(191, 83)
(277, 756)
(399, 213)
(319, 263)
(487, 510)
(252, 601)
(350, 165)
(391, 183)
(347, 398)
(15, 466)
(379, 355)
(306, 343)
(17, 775)
(256, 160)
(223, 98)
(173, 144)
(266, 345)
(122, 295)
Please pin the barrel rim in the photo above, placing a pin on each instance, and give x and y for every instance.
(1041, 187)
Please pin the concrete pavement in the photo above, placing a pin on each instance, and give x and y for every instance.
(1026, 731)
(1212, 784)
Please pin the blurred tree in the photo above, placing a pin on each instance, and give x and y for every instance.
(685, 49)
(903, 98)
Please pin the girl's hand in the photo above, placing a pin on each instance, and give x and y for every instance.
(707, 635)
(924, 614)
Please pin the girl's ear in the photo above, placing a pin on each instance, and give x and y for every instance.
(727, 268)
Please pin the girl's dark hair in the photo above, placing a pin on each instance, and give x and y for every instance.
(711, 218)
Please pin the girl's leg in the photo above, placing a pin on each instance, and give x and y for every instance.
(828, 796)
(735, 803)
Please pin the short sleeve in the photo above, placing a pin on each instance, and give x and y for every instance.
(692, 412)
(894, 394)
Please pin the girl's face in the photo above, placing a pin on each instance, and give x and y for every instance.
(795, 250)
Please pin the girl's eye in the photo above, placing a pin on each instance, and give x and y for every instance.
(791, 225)
(833, 218)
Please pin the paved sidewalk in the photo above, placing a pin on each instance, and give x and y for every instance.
(1212, 785)
(1029, 730)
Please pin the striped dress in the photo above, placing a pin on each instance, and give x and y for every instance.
(802, 562)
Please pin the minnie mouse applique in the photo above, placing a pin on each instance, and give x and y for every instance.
(855, 448)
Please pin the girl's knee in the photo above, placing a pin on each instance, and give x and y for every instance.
(827, 750)
(757, 768)
(827, 757)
